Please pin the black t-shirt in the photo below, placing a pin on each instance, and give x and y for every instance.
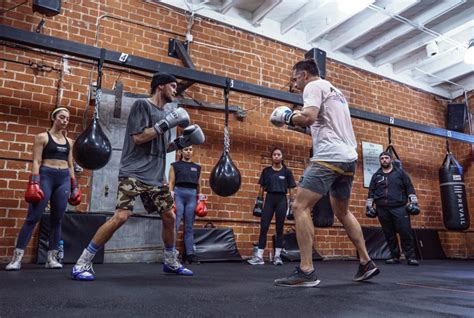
(274, 181)
(186, 174)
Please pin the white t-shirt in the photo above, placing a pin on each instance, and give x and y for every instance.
(332, 133)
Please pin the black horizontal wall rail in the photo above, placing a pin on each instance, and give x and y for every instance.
(139, 63)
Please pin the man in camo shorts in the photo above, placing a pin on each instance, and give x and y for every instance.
(142, 171)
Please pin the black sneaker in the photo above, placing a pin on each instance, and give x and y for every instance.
(413, 262)
(366, 271)
(392, 261)
(192, 259)
(299, 279)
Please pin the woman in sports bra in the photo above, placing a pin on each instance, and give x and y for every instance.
(52, 180)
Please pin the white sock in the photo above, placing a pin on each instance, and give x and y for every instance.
(260, 253)
(86, 257)
(277, 251)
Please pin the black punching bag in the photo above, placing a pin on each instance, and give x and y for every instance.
(453, 195)
(323, 215)
(92, 149)
(225, 178)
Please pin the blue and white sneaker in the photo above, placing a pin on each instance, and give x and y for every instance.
(180, 270)
(83, 272)
(171, 265)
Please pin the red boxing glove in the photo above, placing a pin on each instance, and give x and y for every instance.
(174, 208)
(201, 209)
(34, 194)
(75, 196)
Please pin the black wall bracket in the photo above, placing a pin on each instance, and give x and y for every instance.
(173, 49)
(142, 64)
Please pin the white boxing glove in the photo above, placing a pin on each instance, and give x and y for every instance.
(178, 117)
(192, 135)
(281, 116)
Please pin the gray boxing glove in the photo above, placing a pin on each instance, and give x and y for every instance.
(178, 117)
(369, 209)
(192, 135)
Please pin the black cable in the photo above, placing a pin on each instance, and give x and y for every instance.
(14, 7)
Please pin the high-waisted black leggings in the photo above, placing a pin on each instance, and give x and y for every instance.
(274, 203)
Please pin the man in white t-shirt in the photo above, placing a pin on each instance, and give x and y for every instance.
(333, 164)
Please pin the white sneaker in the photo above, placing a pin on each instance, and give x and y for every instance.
(171, 259)
(277, 261)
(15, 264)
(83, 272)
(52, 261)
(256, 260)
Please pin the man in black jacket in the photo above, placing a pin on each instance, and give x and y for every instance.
(390, 189)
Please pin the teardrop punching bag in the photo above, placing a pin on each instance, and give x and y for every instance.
(453, 195)
(225, 177)
(92, 149)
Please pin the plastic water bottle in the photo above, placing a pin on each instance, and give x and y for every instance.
(60, 255)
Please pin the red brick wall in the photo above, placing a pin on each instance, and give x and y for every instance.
(29, 94)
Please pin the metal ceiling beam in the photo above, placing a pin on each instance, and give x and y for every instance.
(422, 19)
(445, 28)
(466, 84)
(226, 6)
(421, 58)
(329, 18)
(451, 73)
(375, 20)
(295, 18)
(85, 51)
(262, 11)
(439, 63)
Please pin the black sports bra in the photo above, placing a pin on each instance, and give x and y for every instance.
(54, 150)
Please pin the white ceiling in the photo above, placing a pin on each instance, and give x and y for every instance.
(385, 37)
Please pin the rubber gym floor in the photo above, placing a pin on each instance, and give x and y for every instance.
(437, 288)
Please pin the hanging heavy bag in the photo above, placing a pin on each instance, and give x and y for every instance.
(453, 195)
(323, 216)
(225, 177)
(92, 149)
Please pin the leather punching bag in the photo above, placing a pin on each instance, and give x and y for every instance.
(225, 177)
(92, 149)
(323, 215)
(453, 195)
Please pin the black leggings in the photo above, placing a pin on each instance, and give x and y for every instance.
(274, 203)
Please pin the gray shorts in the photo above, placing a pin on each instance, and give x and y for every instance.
(322, 179)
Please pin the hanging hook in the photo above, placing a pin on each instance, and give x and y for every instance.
(448, 149)
(389, 135)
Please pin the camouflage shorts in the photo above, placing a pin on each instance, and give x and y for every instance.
(155, 199)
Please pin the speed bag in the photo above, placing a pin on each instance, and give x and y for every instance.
(453, 195)
(323, 215)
